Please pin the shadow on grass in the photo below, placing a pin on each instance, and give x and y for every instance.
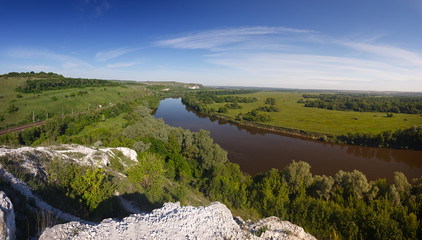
(141, 202)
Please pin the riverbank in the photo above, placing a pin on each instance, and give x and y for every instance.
(246, 145)
(343, 127)
(277, 130)
(400, 139)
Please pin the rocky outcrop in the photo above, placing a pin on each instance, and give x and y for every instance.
(30, 157)
(7, 218)
(175, 222)
(274, 228)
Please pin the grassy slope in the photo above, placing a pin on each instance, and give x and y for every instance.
(43, 101)
(294, 115)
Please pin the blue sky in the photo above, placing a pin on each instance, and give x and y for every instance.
(325, 44)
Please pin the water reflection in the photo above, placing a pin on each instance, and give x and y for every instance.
(257, 150)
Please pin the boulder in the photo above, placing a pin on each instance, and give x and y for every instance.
(7, 218)
(175, 222)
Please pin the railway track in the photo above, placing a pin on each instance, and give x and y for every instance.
(29, 125)
(21, 128)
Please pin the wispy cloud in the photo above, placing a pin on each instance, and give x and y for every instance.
(105, 55)
(121, 65)
(216, 38)
(316, 71)
(284, 57)
(389, 52)
(41, 54)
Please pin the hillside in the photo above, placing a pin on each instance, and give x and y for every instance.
(28, 97)
(169, 222)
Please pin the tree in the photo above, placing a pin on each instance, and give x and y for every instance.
(93, 187)
(149, 171)
(354, 182)
(270, 101)
(222, 110)
(12, 108)
(271, 194)
(209, 154)
(297, 175)
(140, 146)
(401, 184)
(321, 187)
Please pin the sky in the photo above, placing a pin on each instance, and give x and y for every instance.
(305, 44)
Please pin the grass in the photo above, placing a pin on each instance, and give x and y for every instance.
(294, 115)
(56, 102)
(112, 124)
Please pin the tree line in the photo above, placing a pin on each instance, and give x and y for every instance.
(32, 74)
(198, 102)
(38, 85)
(364, 103)
(409, 138)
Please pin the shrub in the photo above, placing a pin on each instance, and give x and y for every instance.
(12, 108)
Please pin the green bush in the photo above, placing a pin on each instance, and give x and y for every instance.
(12, 108)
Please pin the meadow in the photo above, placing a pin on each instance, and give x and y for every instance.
(294, 115)
(59, 102)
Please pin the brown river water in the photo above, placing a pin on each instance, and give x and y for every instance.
(257, 150)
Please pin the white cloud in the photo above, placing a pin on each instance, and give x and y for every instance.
(399, 55)
(216, 38)
(121, 65)
(40, 54)
(283, 57)
(295, 70)
(105, 55)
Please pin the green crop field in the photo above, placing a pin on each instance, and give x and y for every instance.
(295, 116)
(60, 101)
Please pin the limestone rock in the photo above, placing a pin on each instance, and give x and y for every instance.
(7, 218)
(274, 228)
(175, 222)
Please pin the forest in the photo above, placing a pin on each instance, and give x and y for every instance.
(39, 85)
(364, 103)
(343, 206)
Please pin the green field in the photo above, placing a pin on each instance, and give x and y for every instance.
(60, 101)
(294, 115)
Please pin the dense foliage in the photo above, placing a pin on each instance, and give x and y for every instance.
(409, 138)
(32, 75)
(268, 109)
(364, 103)
(86, 187)
(38, 85)
(199, 101)
(254, 116)
(270, 101)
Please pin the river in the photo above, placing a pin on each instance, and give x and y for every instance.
(257, 150)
